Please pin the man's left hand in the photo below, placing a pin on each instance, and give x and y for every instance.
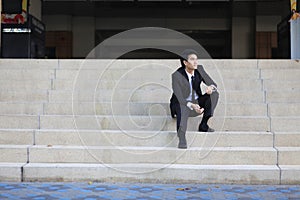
(209, 90)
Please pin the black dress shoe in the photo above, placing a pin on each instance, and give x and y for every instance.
(208, 130)
(182, 142)
(182, 146)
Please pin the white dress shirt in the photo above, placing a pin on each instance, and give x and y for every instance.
(189, 98)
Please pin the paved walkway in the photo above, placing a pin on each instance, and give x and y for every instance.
(90, 191)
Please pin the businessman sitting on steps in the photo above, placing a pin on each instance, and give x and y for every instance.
(188, 100)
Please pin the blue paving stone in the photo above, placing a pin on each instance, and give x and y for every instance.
(65, 191)
(180, 197)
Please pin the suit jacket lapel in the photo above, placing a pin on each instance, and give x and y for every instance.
(182, 71)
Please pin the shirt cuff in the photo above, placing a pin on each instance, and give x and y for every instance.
(189, 104)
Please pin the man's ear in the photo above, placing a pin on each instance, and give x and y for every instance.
(185, 62)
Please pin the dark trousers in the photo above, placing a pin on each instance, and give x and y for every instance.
(208, 102)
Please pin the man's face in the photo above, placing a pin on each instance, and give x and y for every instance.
(192, 62)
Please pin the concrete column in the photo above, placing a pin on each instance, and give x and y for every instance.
(243, 37)
(295, 39)
(83, 36)
(0, 25)
(35, 8)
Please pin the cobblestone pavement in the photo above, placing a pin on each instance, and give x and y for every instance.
(132, 191)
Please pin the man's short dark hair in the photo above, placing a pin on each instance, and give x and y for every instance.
(185, 55)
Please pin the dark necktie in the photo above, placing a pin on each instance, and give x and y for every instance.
(193, 93)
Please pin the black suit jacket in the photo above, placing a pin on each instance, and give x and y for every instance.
(181, 86)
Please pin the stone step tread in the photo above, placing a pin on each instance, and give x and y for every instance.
(9, 164)
(43, 131)
(92, 90)
(166, 155)
(152, 67)
(9, 146)
(137, 148)
(95, 63)
(156, 165)
(297, 149)
(109, 122)
(139, 108)
(129, 138)
(11, 172)
(287, 139)
(146, 116)
(17, 130)
(290, 167)
(286, 117)
(141, 122)
(287, 133)
(138, 103)
(152, 172)
(133, 116)
(284, 103)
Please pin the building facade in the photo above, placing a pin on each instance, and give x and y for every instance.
(241, 29)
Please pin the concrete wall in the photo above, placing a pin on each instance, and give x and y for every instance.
(267, 23)
(243, 37)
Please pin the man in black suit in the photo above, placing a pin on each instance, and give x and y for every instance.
(188, 100)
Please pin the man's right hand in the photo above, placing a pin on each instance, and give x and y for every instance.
(197, 108)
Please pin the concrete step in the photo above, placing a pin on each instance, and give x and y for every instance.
(28, 85)
(153, 123)
(124, 108)
(151, 138)
(229, 64)
(224, 84)
(92, 64)
(14, 153)
(278, 64)
(21, 108)
(285, 124)
(61, 107)
(279, 85)
(290, 174)
(19, 121)
(129, 63)
(156, 173)
(150, 74)
(28, 64)
(281, 74)
(16, 137)
(26, 74)
(284, 109)
(11, 172)
(287, 139)
(150, 63)
(283, 96)
(161, 155)
(119, 63)
(172, 63)
(23, 96)
(288, 155)
(159, 95)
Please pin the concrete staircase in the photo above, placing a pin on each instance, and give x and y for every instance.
(104, 120)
